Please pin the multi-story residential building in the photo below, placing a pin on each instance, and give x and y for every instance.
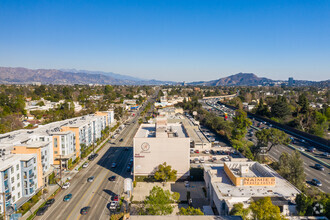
(49, 144)
(17, 179)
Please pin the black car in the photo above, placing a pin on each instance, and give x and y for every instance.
(50, 202)
(319, 167)
(212, 152)
(121, 140)
(316, 182)
(42, 210)
(85, 210)
(112, 178)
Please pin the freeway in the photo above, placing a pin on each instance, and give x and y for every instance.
(99, 193)
(275, 153)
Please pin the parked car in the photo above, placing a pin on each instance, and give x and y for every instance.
(67, 198)
(66, 185)
(42, 211)
(115, 198)
(319, 167)
(197, 151)
(128, 169)
(112, 178)
(196, 160)
(85, 165)
(207, 151)
(186, 183)
(192, 151)
(202, 160)
(90, 179)
(316, 182)
(85, 210)
(50, 202)
(113, 205)
(113, 165)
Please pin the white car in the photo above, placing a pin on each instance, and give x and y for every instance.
(207, 151)
(202, 160)
(85, 165)
(301, 149)
(196, 160)
(113, 205)
(66, 185)
(186, 183)
(192, 151)
(326, 154)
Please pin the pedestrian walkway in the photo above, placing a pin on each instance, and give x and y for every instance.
(52, 188)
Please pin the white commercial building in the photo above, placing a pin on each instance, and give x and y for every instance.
(161, 142)
(245, 182)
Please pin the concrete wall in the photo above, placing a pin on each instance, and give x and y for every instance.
(173, 151)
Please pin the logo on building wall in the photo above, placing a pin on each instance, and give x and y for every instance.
(145, 146)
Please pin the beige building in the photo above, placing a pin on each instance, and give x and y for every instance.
(161, 142)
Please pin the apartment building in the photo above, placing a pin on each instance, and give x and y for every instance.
(17, 179)
(50, 145)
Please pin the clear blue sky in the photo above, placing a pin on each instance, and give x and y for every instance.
(170, 40)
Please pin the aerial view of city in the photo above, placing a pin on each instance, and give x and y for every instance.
(164, 109)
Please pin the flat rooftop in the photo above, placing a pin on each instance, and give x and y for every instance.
(226, 189)
(252, 169)
(13, 158)
(171, 130)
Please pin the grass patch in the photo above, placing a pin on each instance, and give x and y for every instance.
(147, 179)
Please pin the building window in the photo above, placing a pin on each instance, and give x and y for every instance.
(18, 185)
(12, 180)
(55, 152)
(34, 160)
(17, 167)
(13, 188)
(18, 195)
(13, 198)
(18, 176)
(55, 142)
(12, 169)
(26, 192)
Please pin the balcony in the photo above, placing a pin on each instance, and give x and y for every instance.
(5, 177)
(31, 175)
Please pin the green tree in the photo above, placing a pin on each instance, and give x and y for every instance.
(269, 138)
(159, 202)
(304, 204)
(190, 211)
(240, 125)
(239, 210)
(280, 108)
(165, 173)
(297, 175)
(263, 209)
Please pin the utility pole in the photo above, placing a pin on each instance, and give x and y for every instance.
(61, 170)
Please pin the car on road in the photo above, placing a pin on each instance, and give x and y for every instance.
(42, 211)
(67, 198)
(112, 178)
(90, 179)
(186, 183)
(319, 167)
(92, 157)
(316, 182)
(66, 185)
(301, 149)
(121, 140)
(85, 210)
(113, 205)
(85, 165)
(113, 165)
(326, 154)
(312, 149)
(50, 202)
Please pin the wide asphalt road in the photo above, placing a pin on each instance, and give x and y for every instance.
(98, 193)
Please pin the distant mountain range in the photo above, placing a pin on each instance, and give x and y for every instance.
(19, 75)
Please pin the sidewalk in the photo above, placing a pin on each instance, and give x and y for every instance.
(52, 188)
